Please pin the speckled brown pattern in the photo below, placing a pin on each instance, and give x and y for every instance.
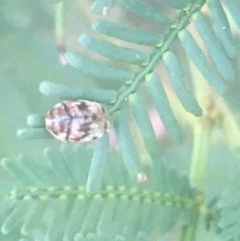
(77, 121)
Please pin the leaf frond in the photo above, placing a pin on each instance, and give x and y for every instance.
(57, 185)
(229, 206)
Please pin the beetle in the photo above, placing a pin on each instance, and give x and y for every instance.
(77, 121)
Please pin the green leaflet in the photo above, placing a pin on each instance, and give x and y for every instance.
(180, 4)
(199, 59)
(176, 75)
(83, 156)
(214, 47)
(36, 121)
(146, 209)
(58, 167)
(6, 205)
(132, 209)
(227, 199)
(113, 51)
(99, 70)
(116, 212)
(91, 218)
(76, 218)
(16, 215)
(107, 216)
(146, 10)
(37, 172)
(172, 215)
(131, 35)
(76, 160)
(231, 233)
(57, 220)
(118, 222)
(98, 164)
(143, 120)
(164, 180)
(18, 172)
(30, 133)
(141, 236)
(67, 93)
(222, 27)
(123, 208)
(230, 219)
(234, 8)
(34, 215)
(230, 210)
(161, 103)
(119, 238)
(126, 145)
(5, 187)
(99, 5)
(79, 237)
(115, 177)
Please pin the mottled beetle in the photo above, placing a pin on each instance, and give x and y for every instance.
(77, 121)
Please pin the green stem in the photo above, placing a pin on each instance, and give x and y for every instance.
(201, 142)
(156, 55)
(202, 131)
(188, 232)
(60, 22)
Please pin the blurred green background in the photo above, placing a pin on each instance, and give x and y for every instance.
(28, 56)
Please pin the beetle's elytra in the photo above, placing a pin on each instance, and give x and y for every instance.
(77, 121)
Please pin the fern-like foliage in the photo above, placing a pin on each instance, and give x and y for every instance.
(216, 68)
(63, 189)
(50, 196)
(229, 206)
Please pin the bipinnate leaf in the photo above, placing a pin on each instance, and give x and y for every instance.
(126, 208)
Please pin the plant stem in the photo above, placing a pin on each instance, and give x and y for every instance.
(202, 131)
(171, 35)
(201, 140)
(188, 231)
(60, 22)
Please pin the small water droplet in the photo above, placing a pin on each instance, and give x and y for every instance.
(142, 177)
(105, 11)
